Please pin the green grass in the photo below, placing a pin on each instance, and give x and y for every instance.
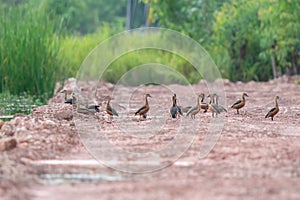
(144, 56)
(12, 104)
(29, 50)
(76, 48)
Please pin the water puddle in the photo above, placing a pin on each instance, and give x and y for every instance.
(6, 116)
(78, 178)
(183, 163)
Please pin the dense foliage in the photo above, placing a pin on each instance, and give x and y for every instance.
(243, 36)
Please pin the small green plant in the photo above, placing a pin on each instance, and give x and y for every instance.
(12, 104)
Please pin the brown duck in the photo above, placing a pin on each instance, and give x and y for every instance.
(143, 110)
(274, 110)
(203, 105)
(240, 103)
(109, 110)
(194, 110)
(68, 100)
(175, 110)
(220, 107)
(212, 106)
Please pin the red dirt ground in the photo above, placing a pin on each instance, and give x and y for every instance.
(254, 158)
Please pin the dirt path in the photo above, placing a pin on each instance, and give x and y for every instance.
(254, 157)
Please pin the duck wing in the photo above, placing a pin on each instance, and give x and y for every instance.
(95, 107)
(139, 110)
(69, 101)
(114, 112)
(215, 108)
(236, 103)
(269, 113)
(179, 110)
(221, 108)
(173, 111)
(191, 110)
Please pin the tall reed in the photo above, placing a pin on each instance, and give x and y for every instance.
(28, 51)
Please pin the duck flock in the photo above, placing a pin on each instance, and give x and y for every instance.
(175, 111)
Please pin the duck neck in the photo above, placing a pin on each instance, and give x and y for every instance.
(210, 100)
(217, 100)
(202, 99)
(243, 98)
(276, 103)
(146, 101)
(174, 102)
(198, 100)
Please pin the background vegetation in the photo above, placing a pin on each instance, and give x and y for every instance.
(45, 41)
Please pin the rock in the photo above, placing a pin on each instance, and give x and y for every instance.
(1, 123)
(8, 129)
(64, 115)
(49, 124)
(7, 144)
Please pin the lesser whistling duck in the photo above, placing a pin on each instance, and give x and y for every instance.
(219, 107)
(109, 110)
(203, 105)
(184, 109)
(175, 110)
(143, 110)
(68, 100)
(240, 103)
(178, 107)
(94, 107)
(274, 110)
(194, 110)
(89, 110)
(212, 106)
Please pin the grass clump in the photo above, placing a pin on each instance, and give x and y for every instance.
(29, 50)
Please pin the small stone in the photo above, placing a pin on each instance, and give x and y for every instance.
(8, 129)
(66, 115)
(49, 124)
(8, 144)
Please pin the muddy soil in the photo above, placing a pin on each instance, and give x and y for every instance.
(253, 158)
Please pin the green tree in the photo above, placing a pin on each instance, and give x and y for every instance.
(191, 17)
(248, 33)
(280, 28)
(86, 16)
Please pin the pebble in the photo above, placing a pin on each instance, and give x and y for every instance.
(7, 144)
